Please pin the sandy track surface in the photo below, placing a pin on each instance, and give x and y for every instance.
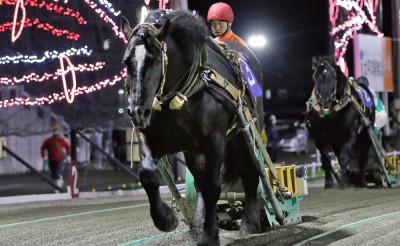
(349, 217)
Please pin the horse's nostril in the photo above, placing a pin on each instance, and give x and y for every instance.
(146, 113)
(129, 112)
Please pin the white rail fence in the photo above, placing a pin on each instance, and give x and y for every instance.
(313, 167)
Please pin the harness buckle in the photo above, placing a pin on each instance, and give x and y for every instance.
(205, 75)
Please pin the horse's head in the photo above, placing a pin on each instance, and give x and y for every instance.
(146, 61)
(325, 78)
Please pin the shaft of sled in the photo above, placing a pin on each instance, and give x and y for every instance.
(164, 167)
(244, 125)
(380, 154)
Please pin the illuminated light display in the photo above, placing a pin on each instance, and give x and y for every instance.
(74, 86)
(105, 18)
(357, 14)
(47, 55)
(69, 93)
(109, 6)
(50, 99)
(44, 26)
(19, 5)
(50, 7)
(33, 77)
(161, 3)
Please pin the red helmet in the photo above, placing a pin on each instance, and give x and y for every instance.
(220, 11)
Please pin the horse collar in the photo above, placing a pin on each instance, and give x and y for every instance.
(313, 102)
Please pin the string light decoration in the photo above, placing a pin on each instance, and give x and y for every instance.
(35, 22)
(54, 97)
(34, 77)
(109, 6)
(51, 7)
(348, 17)
(67, 90)
(46, 56)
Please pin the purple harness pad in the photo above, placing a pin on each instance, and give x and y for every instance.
(252, 83)
(364, 95)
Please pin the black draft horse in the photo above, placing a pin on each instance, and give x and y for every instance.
(334, 122)
(199, 128)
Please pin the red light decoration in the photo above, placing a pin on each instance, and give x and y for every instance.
(50, 7)
(19, 5)
(40, 25)
(161, 3)
(353, 15)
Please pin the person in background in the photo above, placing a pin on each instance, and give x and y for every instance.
(220, 16)
(53, 149)
(273, 138)
(381, 115)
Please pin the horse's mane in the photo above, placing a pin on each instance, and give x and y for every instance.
(341, 77)
(186, 28)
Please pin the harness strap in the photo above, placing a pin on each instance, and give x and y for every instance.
(224, 83)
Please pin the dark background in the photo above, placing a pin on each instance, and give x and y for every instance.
(296, 31)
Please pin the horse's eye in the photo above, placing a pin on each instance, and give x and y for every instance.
(157, 61)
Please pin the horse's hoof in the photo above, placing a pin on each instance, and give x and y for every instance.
(344, 185)
(249, 228)
(328, 186)
(167, 220)
(208, 241)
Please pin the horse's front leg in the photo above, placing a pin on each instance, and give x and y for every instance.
(210, 188)
(344, 160)
(163, 216)
(326, 164)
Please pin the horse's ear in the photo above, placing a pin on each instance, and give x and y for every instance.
(163, 33)
(126, 28)
(314, 63)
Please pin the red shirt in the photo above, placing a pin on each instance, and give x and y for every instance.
(232, 37)
(54, 147)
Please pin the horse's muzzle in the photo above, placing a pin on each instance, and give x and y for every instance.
(140, 117)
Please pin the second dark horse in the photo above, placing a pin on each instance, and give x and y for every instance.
(335, 123)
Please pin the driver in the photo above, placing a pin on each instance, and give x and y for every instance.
(220, 16)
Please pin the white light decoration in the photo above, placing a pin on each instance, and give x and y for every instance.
(257, 41)
(19, 5)
(69, 93)
(47, 55)
(109, 6)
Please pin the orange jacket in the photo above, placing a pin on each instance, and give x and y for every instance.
(232, 37)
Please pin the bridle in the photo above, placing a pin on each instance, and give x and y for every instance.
(333, 96)
(164, 59)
